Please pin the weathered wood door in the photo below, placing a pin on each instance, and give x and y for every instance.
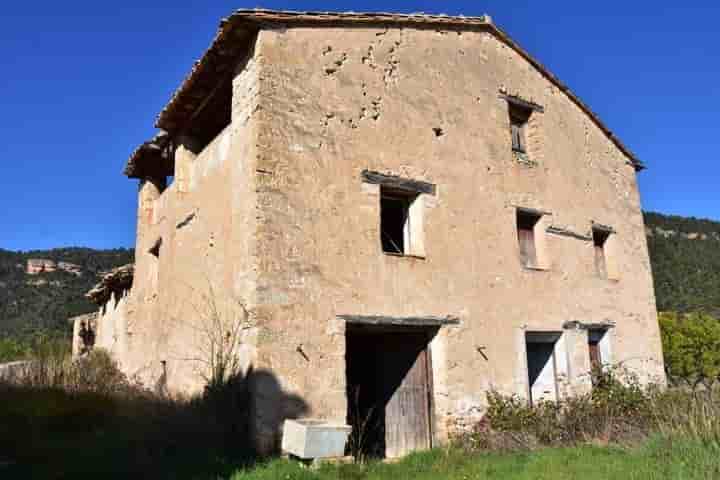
(595, 360)
(407, 411)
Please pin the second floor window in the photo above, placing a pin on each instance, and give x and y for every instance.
(527, 241)
(395, 221)
(401, 213)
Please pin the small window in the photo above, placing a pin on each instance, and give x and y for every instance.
(395, 227)
(526, 226)
(154, 264)
(402, 212)
(600, 239)
(519, 118)
(155, 249)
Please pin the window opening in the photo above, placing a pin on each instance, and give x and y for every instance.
(519, 118)
(395, 220)
(600, 238)
(526, 223)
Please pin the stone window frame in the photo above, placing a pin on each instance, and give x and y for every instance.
(542, 260)
(609, 239)
(415, 192)
(523, 123)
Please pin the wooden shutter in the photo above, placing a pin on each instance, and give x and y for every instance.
(600, 264)
(515, 132)
(526, 239)
(407, 412)
(595, 360)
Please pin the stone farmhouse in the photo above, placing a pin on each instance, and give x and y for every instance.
(381, 217)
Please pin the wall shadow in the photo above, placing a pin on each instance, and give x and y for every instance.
(56, 432)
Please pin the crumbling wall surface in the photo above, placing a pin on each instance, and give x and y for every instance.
(194, 254)
(426, 105)
(110, 327)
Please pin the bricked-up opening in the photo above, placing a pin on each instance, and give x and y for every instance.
(600, 240)
(519, 118)
(526, 226)
(395, 225)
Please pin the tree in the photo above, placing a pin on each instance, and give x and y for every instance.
(691, 343)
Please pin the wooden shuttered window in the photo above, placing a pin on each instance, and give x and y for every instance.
(595, 336)
(519, 118)
(594, 349)
(518, 140)
(526, 223)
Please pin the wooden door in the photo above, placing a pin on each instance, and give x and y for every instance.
(595, 360)
(407, 411)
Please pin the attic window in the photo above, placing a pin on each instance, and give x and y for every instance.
(519, 118)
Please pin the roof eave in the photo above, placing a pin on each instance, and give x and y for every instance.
(235, 35)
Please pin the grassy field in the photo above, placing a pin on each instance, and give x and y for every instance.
(656, 460)
(82, 420)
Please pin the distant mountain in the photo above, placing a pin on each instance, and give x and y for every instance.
(41, 289)
(685, 256)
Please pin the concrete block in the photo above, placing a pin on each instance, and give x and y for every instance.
(308, 438)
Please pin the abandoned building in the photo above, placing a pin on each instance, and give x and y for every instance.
(387, 216)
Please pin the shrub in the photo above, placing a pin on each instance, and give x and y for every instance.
(617, 409)
(691, 344)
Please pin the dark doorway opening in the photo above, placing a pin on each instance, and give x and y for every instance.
(389, 390)
(541, 366)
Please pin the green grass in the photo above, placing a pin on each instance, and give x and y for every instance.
(656, 460)
(82, 421)
(49, 433)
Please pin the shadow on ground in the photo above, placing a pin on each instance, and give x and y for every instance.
(53, 433)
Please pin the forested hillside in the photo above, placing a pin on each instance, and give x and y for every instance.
(685, 256)
(44, 300)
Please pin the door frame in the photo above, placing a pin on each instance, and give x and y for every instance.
(542, 336)
(430, 333)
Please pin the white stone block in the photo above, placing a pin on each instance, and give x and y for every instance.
(307, 438)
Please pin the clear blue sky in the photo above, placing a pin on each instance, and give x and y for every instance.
(81, 83)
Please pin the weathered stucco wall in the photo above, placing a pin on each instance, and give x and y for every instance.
(425, 105)
(201, 275)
